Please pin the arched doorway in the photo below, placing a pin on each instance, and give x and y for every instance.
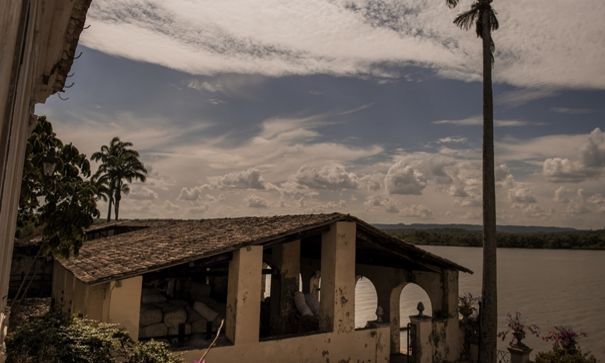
(404, 303)
(366, 302)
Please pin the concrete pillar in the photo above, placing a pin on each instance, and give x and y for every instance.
(125, 304)
(286, 259)
(395, 319)
(519, 353)
(423, 326)
(337, 302)
(454, 343)
(243, 295)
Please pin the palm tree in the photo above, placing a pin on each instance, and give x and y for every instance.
(129, 168)
(119, 164)
(483, 17)
(102, 184)
(104, 173)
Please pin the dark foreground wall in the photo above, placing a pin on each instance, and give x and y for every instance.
(40, 277)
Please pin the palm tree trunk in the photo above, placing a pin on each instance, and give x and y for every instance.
(489, 306)
(117, 202)
(109, 209)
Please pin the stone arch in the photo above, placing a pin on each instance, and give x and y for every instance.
(409, 298)
(408, 293)
(366, 301)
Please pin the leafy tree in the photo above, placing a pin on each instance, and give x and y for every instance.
(56, 195)
(57, 338)
(482, 16)
(119, 165)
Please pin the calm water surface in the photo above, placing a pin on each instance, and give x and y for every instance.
(548, 287)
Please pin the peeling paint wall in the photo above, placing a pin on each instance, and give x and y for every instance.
(360, 346)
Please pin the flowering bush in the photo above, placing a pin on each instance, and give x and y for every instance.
(564, 338)
(565, 347)
(517, 329)
(467, 305)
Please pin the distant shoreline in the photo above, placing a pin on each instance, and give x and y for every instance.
(516, 248)
(456, 237)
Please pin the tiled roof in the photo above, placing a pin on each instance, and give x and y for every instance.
(164, 243)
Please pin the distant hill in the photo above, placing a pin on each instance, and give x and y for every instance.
(471, 227)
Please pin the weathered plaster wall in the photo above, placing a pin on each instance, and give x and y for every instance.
(125, 303)
(337, 294)
(117, 301)
(367, 346)
(242, 321)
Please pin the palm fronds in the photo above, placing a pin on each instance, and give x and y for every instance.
(474, 16)
(119, 165)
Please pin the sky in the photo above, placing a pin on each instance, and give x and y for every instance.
(368, 107)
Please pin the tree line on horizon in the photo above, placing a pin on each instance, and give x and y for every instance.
(585, 240)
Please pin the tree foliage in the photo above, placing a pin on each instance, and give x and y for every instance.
(56, 193)
(57, 338)
(119, 166)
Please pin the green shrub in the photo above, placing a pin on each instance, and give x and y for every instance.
(152, 352)
(56, 338)
(561, 356)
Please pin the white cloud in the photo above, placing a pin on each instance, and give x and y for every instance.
(572, 110)
(331, 177)
(521, 196)
(598, 201)
(563, 170)
(138, 192)
(191, 194)
(453, 140)
(593, 152)
(590, 163)
(230, 85)
(520, 97)
(405, 180)
(562, 194)
(400, 208)
(254, 201)
(245, 179)
(501, 172)
(417, 211)
(277, 37)
(478, 121)
(372, 182)
(577, 203)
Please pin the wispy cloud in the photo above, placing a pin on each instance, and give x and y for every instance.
(572, 110)
(344, 37)
(520, 97)
(477, 121)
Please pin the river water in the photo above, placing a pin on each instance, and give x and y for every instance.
(548, 287)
